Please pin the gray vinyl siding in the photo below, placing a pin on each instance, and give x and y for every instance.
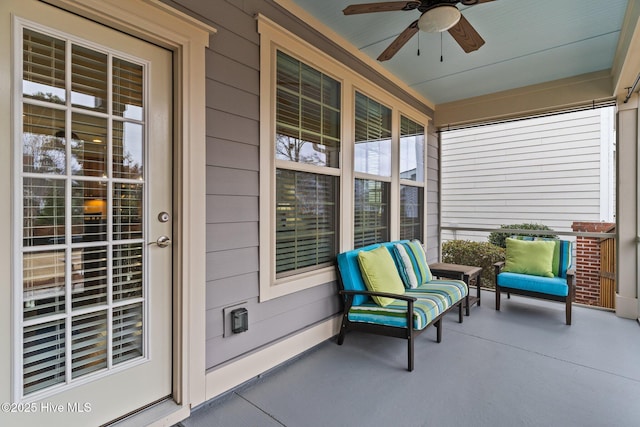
(433, 193)
(544, 170)
(232, 210)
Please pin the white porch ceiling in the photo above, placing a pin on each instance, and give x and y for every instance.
(527, 42)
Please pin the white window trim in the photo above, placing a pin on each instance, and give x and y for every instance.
(272, 39)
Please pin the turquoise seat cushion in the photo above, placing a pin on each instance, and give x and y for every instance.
(350, 272)
(546, 285)
(425, 310)
(450, 291)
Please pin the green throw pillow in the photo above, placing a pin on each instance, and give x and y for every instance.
(529, 257)
(380, 274)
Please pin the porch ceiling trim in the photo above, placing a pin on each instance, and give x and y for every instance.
(626, 64)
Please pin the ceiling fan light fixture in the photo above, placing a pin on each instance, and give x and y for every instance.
(439, 19)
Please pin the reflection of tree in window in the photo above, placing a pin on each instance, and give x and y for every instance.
(307, 114)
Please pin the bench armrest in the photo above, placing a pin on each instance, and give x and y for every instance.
(571, 278)
(498, 267)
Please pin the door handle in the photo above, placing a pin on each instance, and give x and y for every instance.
(162, 242)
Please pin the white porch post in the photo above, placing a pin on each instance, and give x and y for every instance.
(627, 210)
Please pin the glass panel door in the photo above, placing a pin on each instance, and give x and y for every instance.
(83, 201)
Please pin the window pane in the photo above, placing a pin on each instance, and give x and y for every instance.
(88, 211)
(306, 220)
(411, 150)
(127, 271)
(372, 137)
(43, 278)
(88, 343)
(90, 283)
(127, 89)
(371, 207)
(127, 211)
(43, 349)
(43, 140)
(411, 212)
(307, 114)
(43, 211)
(128, 150)
(127, 333)
(43, 67)
(89, 145)
(88, 79)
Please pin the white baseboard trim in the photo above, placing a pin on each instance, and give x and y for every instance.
(232, 375)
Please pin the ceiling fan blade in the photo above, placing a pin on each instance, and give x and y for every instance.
(400, 41)
(388, 6)
(472, 2)
(466, 36)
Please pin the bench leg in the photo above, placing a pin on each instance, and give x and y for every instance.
(460, 318)
(439, 330)
(568, 310)
(410, 353)
(497, 298)
(343, 329)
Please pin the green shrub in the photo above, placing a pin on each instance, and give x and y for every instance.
(498, 238)
(478, 254)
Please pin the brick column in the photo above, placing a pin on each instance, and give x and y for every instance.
(587, 264)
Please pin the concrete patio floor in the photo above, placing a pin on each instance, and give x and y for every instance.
(521, 366)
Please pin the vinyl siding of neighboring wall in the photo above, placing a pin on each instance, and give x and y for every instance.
(544, 170)
(233, 180)
(433, 196)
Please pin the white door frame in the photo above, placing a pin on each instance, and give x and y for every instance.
(187, 38)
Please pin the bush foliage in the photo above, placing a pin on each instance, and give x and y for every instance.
(498, 238)
(479, 254)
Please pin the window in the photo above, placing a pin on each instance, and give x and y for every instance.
(307, 132)
(373, 137)
(372, 157)
(306, 214)
(412, 171)
(332, 173)
(371, 220)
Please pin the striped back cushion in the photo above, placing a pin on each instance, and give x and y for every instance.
(412, 263)
(561, 258)
(561, 261)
